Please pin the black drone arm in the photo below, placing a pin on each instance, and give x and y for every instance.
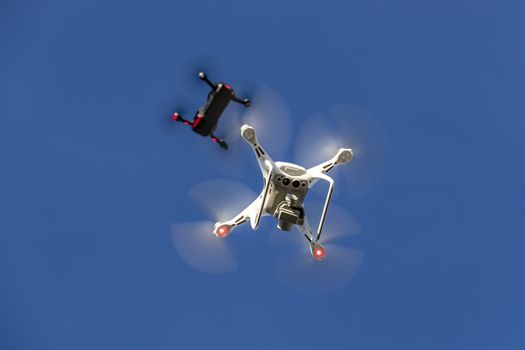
(204, 78)
(178, 118)
(245, 101)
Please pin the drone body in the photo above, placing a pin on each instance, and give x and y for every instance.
(282, 197)
(207, 117)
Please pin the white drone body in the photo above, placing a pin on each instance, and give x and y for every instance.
(285, 187)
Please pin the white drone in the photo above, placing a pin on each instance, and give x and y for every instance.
(285, 187)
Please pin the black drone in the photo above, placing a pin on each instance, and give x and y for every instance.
(207, 117)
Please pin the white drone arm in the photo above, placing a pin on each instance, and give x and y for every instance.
(265, 162)
(222, 229)
(253, 212)
(343, 156)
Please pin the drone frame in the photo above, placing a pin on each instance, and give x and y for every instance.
(298, 182)
(218, 100)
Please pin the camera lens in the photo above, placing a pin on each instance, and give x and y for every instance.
(295, 183)
(286, 181)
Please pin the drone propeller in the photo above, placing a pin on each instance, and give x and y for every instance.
(222, 198)
(270, 116)
(194, 241)
(299, 271)
(199, 248)
(345, 126)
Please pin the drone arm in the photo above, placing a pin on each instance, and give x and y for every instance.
(219, 141)
(265, 162)
(343, 156)
(178, 118)
(245, 101)
(204, 78)
(248, 213)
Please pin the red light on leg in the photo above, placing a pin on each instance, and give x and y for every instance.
(175, 116)
(214, 139)
(186, 123)
(318, 252)
(222, 231)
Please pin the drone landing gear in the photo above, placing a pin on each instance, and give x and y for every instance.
(178, 118)
(317, 250)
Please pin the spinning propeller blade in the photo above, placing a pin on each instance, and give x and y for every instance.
(194, 241)
(345, 126)
(222, 198)
(199, 248)
(270, 116)
(302, 273)
(299, 271)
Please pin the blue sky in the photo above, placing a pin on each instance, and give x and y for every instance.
(90, 180)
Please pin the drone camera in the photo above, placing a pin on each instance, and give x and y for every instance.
(284, 225)
(288, 216)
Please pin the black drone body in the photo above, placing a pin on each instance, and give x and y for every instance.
(207, 117)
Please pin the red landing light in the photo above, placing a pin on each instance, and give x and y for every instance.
(186, 123)
(214, 139)
(319, 253)
(175, 116)
(228, 86)
(222, 231)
